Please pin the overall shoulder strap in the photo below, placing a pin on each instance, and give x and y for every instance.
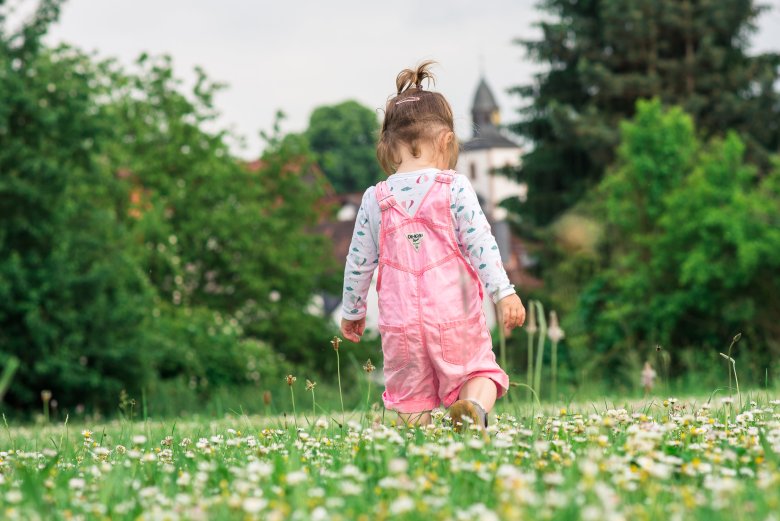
(445, 176)
(383, 196)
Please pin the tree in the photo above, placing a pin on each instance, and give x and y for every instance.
(133, 247)
(343, 139)
(602, 57)
(218, 235)
(693, 236)
(72, 301)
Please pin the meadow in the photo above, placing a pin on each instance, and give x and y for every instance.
(646, 459)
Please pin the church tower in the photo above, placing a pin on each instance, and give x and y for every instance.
(489, 150)
(484, 112)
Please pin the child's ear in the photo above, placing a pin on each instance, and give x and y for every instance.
(450, 150)
(446, 139)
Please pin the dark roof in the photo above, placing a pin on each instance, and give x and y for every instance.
(488, 138)
(484, 99)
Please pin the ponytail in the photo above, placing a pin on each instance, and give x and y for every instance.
(412, 115)
(412, 79)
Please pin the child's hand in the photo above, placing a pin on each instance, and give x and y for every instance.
(512, 310)
(353, 329)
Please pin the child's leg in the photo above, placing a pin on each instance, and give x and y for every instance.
(482, 390)
(415, 418)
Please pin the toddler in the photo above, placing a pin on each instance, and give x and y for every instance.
(424, 230)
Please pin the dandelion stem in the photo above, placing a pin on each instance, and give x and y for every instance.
(736, 381)
(295, 415)
(540, 348)
(368, 396)
(530, 370)
(502, 343)
(530, 329)
(730, 360)
(554, 362)
(313, 405)
(341, 396)
(8, 431)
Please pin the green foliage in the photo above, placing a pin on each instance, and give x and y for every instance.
(72, 301)
(134, 248)
(601, 57)
(692, 241)
(218, 234)
(207, 350)
(343, 138)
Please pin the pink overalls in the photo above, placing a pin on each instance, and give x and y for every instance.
(434, 335)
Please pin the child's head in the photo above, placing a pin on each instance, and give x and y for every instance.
(415, 117)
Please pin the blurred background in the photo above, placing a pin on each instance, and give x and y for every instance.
(179, 181)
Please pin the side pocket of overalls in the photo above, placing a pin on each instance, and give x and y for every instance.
(395, 347)
(461, 339)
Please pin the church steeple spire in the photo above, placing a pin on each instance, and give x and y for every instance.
(484, 111)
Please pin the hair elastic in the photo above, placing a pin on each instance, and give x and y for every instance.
(410, 98)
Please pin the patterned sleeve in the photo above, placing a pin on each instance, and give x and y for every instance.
(362, 259)
(476, 240)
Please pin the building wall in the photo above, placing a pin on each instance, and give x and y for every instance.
(477, 165)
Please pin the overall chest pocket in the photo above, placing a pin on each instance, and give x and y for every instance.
(395, 347)
(461, 340)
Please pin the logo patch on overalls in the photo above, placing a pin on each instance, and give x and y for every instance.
(415, 239)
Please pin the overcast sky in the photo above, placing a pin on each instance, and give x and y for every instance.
(295, 55)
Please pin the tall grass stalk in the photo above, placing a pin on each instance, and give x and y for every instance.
(730, 359)
(554, 371)
(501, 337)
(530, 329)
(369, 368)
(46, 398)
(295, 414)
(8, 432)
(540, 348)
(11, 366)
(368, 396)
(502, 344)
(335, 343)
(663, 360)
(310, 387)
(556, 335)
(290, 381)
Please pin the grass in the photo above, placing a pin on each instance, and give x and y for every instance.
(647, 459)
(653, 458)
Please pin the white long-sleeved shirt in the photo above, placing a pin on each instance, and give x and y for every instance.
(472, 231)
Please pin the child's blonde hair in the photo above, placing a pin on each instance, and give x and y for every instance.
(412, 115)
